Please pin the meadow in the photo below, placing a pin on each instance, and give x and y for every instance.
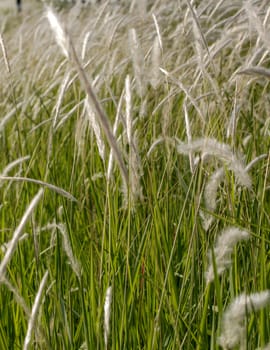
(134, 176)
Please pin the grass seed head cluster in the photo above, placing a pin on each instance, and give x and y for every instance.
(147, 123)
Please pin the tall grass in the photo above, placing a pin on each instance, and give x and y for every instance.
(124, 161)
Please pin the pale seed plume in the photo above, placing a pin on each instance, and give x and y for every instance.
(138, 61)
(233, 328)
(154, 76)
(259, 72)
(96, 128)
(107, 315)
(158, 31)
(220, 151)
(210, 196)
(223, 249)
(115, 126)
(64, 41)
(211, 188)
(61, 36)
(60, 98)
(134, 165)
(128, 109)
(74, 263)
(32, 321)
(85, 41)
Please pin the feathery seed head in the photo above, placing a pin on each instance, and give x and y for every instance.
(2, 45)
(93, 121)
(233, 329)
(59, 33)
(75, 265)
(220, 151)
(107, 315)
(223, 250)
(32, 321)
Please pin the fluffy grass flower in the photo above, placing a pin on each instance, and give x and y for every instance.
(61, 36)
(223, 250)
(210, 196)
(138, 61)
(233, 328)
(96, 128)
(221, 151)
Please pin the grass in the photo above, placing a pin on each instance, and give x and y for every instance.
(166, 76)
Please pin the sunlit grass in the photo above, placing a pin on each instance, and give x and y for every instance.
(134, 233)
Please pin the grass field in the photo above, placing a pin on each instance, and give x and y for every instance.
(135, 176)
